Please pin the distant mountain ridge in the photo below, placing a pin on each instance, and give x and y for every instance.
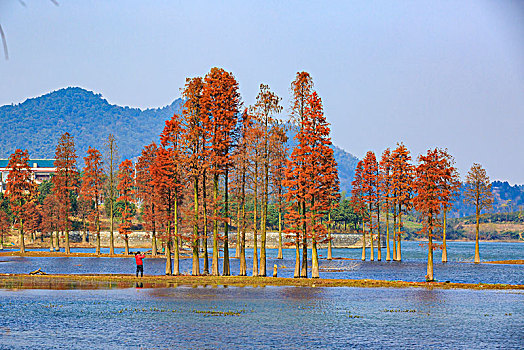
(37, 124)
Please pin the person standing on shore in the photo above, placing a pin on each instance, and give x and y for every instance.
(139, 263)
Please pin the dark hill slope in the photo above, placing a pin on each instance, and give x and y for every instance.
(38, 123)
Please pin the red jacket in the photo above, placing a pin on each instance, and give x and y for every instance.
(139, 258)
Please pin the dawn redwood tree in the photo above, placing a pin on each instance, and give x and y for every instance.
(110, 198)
(266, 106)
(450, 186)
(428, 184)
(311, 177)
(171, 140)
(370, 194)
(92, 189)
(385, 191)
(5, 225)
(323, 174)
(478, 193)
(65, 180)
(50, 219)
(20, 189)
(301, 88)
(402, 174)
(220, 103)
(278, 164)
(242, 163)
(358, 203)
(32, 219)
(145, 191)
(164, 181)
(194, 141)
(126, 190)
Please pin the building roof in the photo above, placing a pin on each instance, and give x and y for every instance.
(40, 163)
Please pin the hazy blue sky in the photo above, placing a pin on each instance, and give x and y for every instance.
(427, 73)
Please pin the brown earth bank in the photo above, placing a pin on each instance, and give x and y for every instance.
(513, 262)
(22, 281)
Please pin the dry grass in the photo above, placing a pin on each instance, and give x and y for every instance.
(22, 281)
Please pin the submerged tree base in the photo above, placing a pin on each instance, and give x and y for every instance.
(111, 281)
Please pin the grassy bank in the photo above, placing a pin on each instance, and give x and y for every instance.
(22, 281)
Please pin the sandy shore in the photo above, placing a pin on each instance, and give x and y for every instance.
(111, 281)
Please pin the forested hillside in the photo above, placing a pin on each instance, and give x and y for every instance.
(38, 123)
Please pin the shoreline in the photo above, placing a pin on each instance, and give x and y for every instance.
(121, 281)
(45, 254)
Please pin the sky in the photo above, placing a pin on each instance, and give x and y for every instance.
(446, 74)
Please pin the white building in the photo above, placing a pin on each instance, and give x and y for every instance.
(42, 169)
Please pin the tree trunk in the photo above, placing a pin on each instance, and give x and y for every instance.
(372, 249)
(314, 259)
(21, 242)
(225, 268)
(303, 270)
(57, 242)
(444, 247)
(394, 232)
(243, 265)
(363, 241)
(205, 238)
(67, 249)
(379, 243)
(111, 229)
(429, 276)
(84, 233)
(280, 255)
(297, 257)
(214, 263)
(388, 252)
(237, 244)
(196, 260)
(98, 250)
(330, 256)
(169, 270)
(255, 228)
(51, 242)
(154, 249)
(477, 248)
(176, 260)
(126, 244)
(399, 251)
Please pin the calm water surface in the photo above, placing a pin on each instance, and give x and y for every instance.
(411, 268)
(262, 318)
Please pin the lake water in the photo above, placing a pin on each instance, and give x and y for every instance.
(273, 317)
(261, 318)
(411, 268)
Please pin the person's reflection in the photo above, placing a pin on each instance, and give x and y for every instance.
(139, 285)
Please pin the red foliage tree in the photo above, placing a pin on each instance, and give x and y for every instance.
(20, 190)
(301, 89)
(145, 192)
(171, 140)
(432, 175)
(370, 194)
(311, 178)
(92, 190)
(50, 219)
(402, 191)
(126, 190)
(194, 148)
(358, 204)
(65, 180)
(5, 225)
(220, 104)
(385, 192)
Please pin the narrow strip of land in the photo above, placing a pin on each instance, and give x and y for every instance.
(110, 281)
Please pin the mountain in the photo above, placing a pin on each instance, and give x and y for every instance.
(37, 124)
